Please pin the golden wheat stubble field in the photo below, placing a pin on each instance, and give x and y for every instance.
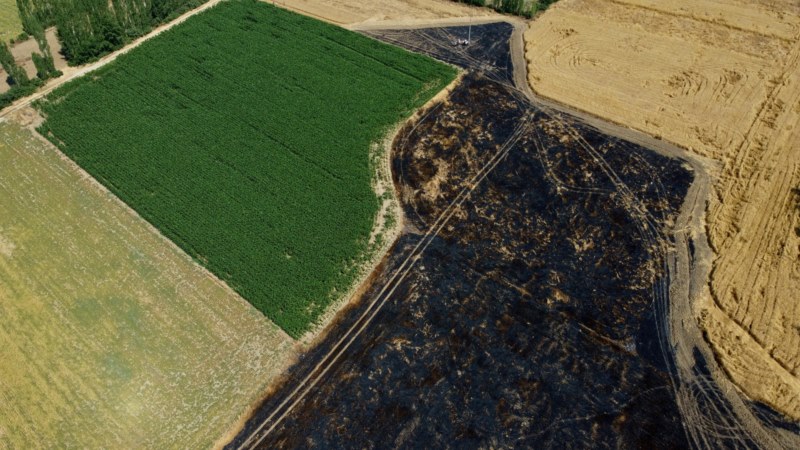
(349, 12)
(110, 336)
(722, 79)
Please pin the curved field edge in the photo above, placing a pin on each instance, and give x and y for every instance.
(389, 222)
(112, 336)
(251, 151)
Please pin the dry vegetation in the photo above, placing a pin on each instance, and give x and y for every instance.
(349, 12)
(721, 78)
(111, 337)
(10, 25)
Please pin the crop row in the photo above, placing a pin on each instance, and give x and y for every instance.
(243, 134)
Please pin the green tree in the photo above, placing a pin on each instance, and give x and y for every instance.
(89, 29)
(16, 74)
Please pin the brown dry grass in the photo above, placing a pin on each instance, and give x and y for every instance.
(721, 78)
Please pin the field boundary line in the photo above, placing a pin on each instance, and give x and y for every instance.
(330, 358)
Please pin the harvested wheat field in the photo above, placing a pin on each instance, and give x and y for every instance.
(112, 337)
(349, 12)
(722, 79)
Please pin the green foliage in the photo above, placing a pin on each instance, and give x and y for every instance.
(18, 91)
(509, 6)
(45, 68)
(525, 8)
(541, 5)
(243, 134)
(19, 38)
(89, 29)
(16, 74)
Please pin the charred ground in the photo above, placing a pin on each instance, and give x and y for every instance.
(534, 316)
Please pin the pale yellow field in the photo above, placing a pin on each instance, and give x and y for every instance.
(10, 25)
(351, 12)
(110, 336)
(721, 78)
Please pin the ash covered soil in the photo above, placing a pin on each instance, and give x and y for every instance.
(535, 316)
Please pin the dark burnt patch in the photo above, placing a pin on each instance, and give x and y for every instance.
(531, 318)
(487, 53)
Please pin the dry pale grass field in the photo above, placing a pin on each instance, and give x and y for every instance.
(10, 25)
(721, 78)
(111, 337)
(350, 12)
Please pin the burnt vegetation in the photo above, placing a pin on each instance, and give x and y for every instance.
(534, 315)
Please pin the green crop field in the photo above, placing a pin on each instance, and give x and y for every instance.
(244, 135)
(10, 25)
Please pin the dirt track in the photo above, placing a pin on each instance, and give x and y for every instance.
(719, 78)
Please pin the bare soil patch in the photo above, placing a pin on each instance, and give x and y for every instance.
(22, 55)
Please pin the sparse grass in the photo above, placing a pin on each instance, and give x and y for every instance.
(111, 337)
(244, 135)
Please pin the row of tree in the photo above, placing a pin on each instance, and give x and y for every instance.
(89, 29)
(17, 78)
(518, 7)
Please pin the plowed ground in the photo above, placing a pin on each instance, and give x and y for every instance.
(721, 78)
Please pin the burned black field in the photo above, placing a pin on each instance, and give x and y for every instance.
(524, 304)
